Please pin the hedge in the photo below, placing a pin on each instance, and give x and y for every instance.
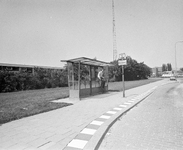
(42, 78)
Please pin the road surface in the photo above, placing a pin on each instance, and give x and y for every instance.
(155, 123)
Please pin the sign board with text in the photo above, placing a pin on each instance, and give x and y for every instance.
(122, 62)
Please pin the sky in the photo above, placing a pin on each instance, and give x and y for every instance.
(43, 32)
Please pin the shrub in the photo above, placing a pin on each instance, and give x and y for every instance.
(42, 78)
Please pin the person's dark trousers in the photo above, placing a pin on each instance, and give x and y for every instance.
(103, 85)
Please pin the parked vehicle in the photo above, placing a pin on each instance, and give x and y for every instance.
(173, 78)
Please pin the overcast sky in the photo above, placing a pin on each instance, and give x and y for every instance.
(43, 32)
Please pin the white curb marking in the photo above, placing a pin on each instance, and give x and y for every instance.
(88, 131)
(127, 103)
(97, 122)
(122, 105)
(105, 117)
(77, 143)
(111, 112)
(116, 108)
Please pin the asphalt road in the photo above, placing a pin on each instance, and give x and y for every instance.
(155, 123)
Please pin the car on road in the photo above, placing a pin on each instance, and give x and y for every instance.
(173, 78)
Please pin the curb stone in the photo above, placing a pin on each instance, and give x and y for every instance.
(92, 135)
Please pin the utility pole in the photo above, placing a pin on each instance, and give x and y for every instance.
(114, 34)
(176, 54)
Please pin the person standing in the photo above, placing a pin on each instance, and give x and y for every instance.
(102, 79)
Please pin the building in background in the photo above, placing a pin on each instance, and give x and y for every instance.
(157, 72)
(24, 68)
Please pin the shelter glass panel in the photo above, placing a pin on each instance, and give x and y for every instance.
(73, 76)
(84, 76)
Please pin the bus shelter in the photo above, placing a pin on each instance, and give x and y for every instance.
(82, 77)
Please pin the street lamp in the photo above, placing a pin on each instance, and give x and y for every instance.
(175, 55)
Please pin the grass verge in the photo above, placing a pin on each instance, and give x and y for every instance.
(117, 86)
(17, 105)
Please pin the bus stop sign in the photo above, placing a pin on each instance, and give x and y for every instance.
(122, 62)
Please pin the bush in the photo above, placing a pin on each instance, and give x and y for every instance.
(132, 71)
(7, 82)
(42, 78)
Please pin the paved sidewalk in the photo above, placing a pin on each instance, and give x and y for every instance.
(56, 129)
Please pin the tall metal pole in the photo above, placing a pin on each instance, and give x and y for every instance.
(176, 55)
(114, 34)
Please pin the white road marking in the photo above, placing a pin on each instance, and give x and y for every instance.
(97, 122)
(105, 117)
(88, 131)
(122, 105)
(111, 112)
(127, 103)
(116, 108)
(76, 143)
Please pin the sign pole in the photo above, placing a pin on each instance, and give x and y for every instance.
(123, 81)
(122, 61)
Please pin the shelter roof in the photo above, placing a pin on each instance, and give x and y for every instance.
(88, 61)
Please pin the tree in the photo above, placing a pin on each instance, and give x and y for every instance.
(133, 70)
(164, 67)
(181, 69)
(169, 67)
(114, 71)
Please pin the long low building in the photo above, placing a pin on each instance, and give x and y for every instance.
(25, 68)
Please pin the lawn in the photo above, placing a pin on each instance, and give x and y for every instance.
(117, 86)
(21, 104)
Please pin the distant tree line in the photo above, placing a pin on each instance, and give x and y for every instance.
(166, 67)
(47, 78)
(42, 78)
(132, 71)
